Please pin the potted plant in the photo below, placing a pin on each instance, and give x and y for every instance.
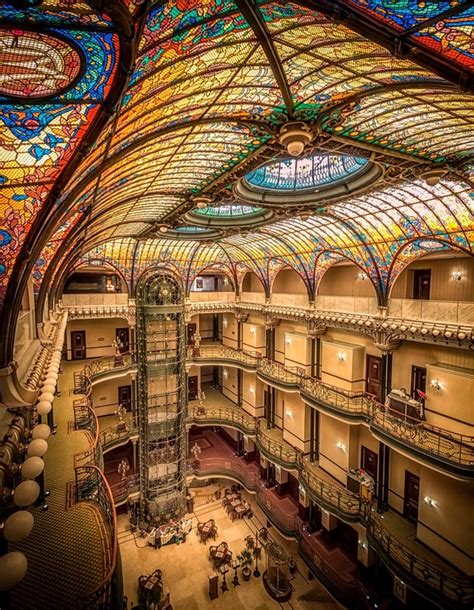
(245, 559)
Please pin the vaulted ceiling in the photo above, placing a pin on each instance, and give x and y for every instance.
(117, 114)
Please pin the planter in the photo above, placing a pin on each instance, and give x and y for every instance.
(246, 573)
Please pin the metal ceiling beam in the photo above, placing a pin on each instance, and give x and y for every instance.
(254, 18)
(460, 8)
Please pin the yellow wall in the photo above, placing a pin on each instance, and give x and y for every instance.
(297, 351)
(229, 330)
(105, 395)
(229, 383)
(280, 331)
(347, 374)
(289, 282)
(296, 421)
(252, 401)
(253, 337)
(251, 283)
(454, 401)
(332, 459)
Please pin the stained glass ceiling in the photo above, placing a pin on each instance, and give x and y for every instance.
(145, 106)
(306, 173)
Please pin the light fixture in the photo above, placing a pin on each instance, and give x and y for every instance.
(341, 447)
(252, 390)
(362, 276)
(202, 201)
(433, 176)
(163, 229)
(289, 413)
(430, 502)
(13, 568)
(436, 385)
(456, 276)
(294, 137)
(252, 330)
(341, 356)
(224, 321)
(18, 526)
(288, 340)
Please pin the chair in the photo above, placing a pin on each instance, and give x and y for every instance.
(229, 508)
(233, 515)
(228, 557)
(225, 502)
(199, 529)
(213, 532)
(212, 552)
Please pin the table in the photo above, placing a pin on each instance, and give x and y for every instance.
(236, 503)
(153, 582)
(221, 551)
(240, 510)
(207, 527)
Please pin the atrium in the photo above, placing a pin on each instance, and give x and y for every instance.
(236, 304)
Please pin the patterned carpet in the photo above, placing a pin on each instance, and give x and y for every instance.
(65, 559)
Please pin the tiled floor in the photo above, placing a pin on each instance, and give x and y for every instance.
(186, 567)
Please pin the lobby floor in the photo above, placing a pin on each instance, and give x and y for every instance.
(186, 567)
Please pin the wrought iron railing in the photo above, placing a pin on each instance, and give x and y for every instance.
(444, 444)
(113, 435)
(358, 403)
(436, 582)
(224, 352)
(226, 416)
(92, 486)
(329, 495)
(275, 448)
(275, 370)
(284, 520)
(122, 490)
(230, 467)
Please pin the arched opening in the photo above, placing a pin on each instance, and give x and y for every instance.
(253, 289)
(209, 282)
(94, 279)
(288, 288)
(345, 287)
(446, 276)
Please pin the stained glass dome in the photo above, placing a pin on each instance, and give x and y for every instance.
(306, 174)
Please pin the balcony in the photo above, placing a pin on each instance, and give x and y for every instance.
(350, 405)
(92, 486)
(283, 378)
(125, 489)
(210, 354)
(454, 452)
(271, 444)
(219, 411)
(418, 567)
(331, 495)
(118, 434)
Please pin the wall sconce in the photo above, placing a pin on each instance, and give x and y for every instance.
(224, 322)
(341, 356)
(430, 502)
(341, 447)
(456, 275)
(288, 340)
(252, 330)
(224, 372)
(362, 276)
(252, 390)
(436, 385)
(289, 413)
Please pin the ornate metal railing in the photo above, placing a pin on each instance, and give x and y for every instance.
(438, 584)
(224, 352)
(358, 403)
(336, 499)
(92, 486)
(226, 416)
(122, 490)
(114, 435)
(284, 520)
(450, 446)
(227, 467)
(108, 363)
(277, 371)
(274, 448)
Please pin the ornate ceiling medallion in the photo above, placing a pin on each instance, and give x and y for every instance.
(230, 215)
(36, 65)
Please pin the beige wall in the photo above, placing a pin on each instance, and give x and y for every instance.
(288, 281)
(296, 421)
(349, 373)
(332, 459)
(253, 337)
(252, 394)
(443, 287)
(251, 283)
(100, 335)
(453, 401)
(105, 395)
(229, 383)
(229, 330)
(205, 326)
(297, 351)
(343, 280)
(442, 527)
(280, 332)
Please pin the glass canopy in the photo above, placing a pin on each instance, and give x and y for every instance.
(308, 173)
(228, 211)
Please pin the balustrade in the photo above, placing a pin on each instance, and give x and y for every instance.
(275, 448)
(92, 486)
(440, 585)
(226, 416)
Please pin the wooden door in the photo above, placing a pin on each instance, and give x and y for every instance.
(418, 381)
(191, 333)
(373, 383)
(421, 284)
(411, 498)
(369, 461)
(123, 335)
(78, 344)
(125, 397)
(192, 388)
